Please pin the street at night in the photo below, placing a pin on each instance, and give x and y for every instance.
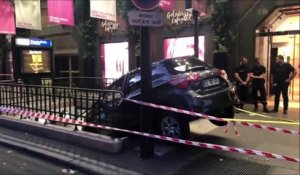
(171, 158)
(14, 161)
(150, 87)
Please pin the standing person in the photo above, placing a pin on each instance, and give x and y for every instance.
(258, 74)
(282, 74)
(242, 77)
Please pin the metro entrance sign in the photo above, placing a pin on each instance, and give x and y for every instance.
(146, 4)
(142, 18)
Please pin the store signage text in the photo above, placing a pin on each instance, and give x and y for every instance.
(33, 42)
(179, 17)
(37, 63)
(109, 26)
(39, 42)
(142, 18)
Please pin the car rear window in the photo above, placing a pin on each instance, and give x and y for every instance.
(186, 64)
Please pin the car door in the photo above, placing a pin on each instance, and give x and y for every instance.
(132, 90)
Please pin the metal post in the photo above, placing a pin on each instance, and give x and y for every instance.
(196, 33)
(146, 120)
(70, 71)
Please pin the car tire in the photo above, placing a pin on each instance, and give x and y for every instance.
(173, 125)
(227, 113)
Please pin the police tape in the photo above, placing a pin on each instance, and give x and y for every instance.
(261, 121)
(285, 121)
(165, 138)
(191, 113)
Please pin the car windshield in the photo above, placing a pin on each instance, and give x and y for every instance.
(182, 65)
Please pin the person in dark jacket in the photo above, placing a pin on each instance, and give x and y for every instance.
(258, 74)
(242, 76)
(282, 74)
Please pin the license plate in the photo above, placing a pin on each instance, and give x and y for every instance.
(210, 82)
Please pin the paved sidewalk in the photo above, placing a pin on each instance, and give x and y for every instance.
(292, 115)
(93, 161)
(87, 160)
(116, 157)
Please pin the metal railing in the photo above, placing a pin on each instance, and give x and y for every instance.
(4, 78)
(81, 82)
(75, 103)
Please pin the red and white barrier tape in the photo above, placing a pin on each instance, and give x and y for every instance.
(264, 127)
(170, 139)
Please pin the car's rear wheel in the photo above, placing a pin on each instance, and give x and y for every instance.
(173, 125)
(227, 113)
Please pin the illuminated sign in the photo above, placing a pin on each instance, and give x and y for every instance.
(184, 46)
(35, 61)
(179, 17)
(22, 42)
(109, 26)
(115, 57)
(39, 42)
(33, 42)
(36, 64)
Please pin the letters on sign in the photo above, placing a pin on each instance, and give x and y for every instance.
(179, 17)
(109, 26)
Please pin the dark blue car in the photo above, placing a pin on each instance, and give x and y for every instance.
(185, 83)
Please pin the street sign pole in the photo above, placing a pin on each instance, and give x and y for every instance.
(195, 14)
(146, 19)
(197, 8)
(146, 144)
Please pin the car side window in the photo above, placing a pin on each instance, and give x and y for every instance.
(157, 73)
(134, 82)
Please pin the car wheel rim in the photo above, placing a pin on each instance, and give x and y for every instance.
(170, 127)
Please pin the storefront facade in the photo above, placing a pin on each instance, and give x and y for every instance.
(270, 29)
(118, 49)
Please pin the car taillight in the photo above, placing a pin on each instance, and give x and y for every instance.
(183, 81)
(223, 74)
(183, 85)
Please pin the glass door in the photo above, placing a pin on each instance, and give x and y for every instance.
(264, 52)
(288, 46)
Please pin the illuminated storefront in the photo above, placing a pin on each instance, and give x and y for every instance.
(32, 59)
(114, 59)
(183, 46)
(279, 34)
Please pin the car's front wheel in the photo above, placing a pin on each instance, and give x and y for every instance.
(173, 125)
(227, 113)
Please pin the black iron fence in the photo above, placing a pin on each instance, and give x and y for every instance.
(75, 103)
(81, 82)
(6, 78)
